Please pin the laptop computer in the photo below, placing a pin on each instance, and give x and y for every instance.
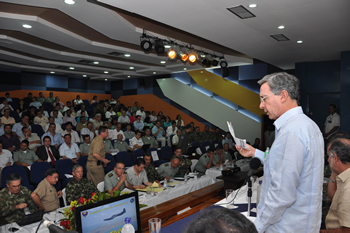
(31, 218)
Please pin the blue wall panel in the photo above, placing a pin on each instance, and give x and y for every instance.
(323, 77)
(56, 81)
(129, 84)
(345, 92)
(33, 79)
(255, 71)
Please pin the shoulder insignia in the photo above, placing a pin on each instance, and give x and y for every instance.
(166, 164)
(110, 175)
(205, 156)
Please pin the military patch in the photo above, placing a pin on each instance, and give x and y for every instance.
(182, 137)
(110, 175)
(165, 165)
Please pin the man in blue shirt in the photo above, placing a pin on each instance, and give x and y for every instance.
(291, 194)
(138, 124)
(159, 133)
(56, 138)
(17, 128)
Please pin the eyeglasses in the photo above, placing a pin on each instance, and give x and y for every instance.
(263, 98)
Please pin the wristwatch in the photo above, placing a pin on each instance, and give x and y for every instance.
(333, 181)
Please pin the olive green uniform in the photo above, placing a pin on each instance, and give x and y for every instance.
(195, 137)
(183, 141)
(108, 145)
(149, 140)
(206, 136)
(111, 180)
(95, 172)
(76, 189)
(184, 165)
(84, 148)
(121, 146)
(29, 157)
(8, 202)
(200, 166)
(166, 170)
(152, 174)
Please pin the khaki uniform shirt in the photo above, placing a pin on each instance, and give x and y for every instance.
(29, 157)
(108, 145)
(48, 195)
(339, 213)
(166, 170)
(111, 180)
(95, 172)
(97, 124)
(80, 126)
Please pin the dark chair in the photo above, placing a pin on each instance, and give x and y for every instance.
(64, 166)
(137, 153)
(63, 126)
(149, 151)
(166, 152)
(213, 143)
(15, 115)
(65, 182)
(15, 100)
(111, 164)
(37, 129)
(87, 104)
(58, 185)
(47, 107)
(206, 144)
(18, 169)
(92, 106)
(196, 144)
(125, 157)
(37, 171)
(82, 162)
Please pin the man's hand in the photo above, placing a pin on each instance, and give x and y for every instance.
(167, 178)
(141, 186)
(75, 161)
(122, 178)
(21, 206)
(59, 194)
(249, 151)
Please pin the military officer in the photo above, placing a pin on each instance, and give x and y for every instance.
(108, 145)
(97, 154)
(152, 174)
(196, 136)
(218, 156)
(79, 186)
(13, 199)
(184, 138)
(226, 156)
(116, 179)
(168, 170)
(205, 161)
(120, 144)
(24, 156)
(185, 163)
(206, 134)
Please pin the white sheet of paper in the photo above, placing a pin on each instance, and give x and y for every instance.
(207, 147)
(68, 175)
(216, 145)
(240, 142)
(114, 151)
(198, 150)
(154, 155)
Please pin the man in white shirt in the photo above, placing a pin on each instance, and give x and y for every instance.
(69, 150)
(113, 133)
(58, 126)
(59, 114)
(176, 137)
(124, 119)
(141, 113)
(5, 158)
(82, 109)
(332, 123)
(153, 116)
(74, 135)
(6, 119)
(136, 142)
(32, 138)
(58, 118)
(7, 97)
(171, 130)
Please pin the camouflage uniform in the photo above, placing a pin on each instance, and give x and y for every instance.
(217, 136)
(152, 174)
(8, 202)
(195, 137)
(184, 165)
(76, 189)
(206, 136)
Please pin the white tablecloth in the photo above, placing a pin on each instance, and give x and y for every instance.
(214, 172)
(171, 193)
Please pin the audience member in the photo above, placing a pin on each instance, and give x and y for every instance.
(24, 156)
(32, 138)
(184, 139)
(113, 133)
(185, 164)
(97, 122)
(82, 123)
(5, 106)
(69, 130)
(227, 154)
(133, 118)
(332, 122)
(257, 144)
(87, 131)
(50, 99)
(69, 118)
(82, 109)
(136, 175)
(110, 113)
(178, 126)
(135, 108)
(169, 169)
(73, 113)
(152, 174)
(179, 118)
(159, 133)
(205, 162)
(141, 113)
(45, 113)
(116, 179)
(82, 115)
(27, 100)
(45, 195)
(128, 133)
(228, 139)
(35, 103)
(206, 135)
(7, 97)
(6, 119)
(41, 120)
(120, 144)
(176, 137)
(153, 116)
(58, 126)
(136, 142)
(163, 118)
(41, 98)
(149, 139)
(47, 152)
(14, 198)
(21, 107)
(78, 102)
(5, 158)
(138, 124)
(123, 119)
(58, 103)
(128, 112)
(56, 139)
(58, 119)
(69, 150)
(98, 110)
(79, 186)
(17, 128)
(85, 146)
(94, 100)
(196, 136)
(9, 141)
(68, 106)
(167, 122)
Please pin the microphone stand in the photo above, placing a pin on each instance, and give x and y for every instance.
(249, 195)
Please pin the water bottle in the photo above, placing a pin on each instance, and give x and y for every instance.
(165, 184)
(186, 178)
(128, 228)
(258, 194)
(152, 191)
(26, 211)
(221, 168)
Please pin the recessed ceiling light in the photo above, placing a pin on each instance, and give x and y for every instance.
(280, 27)
(84, 75)
(185, 68)
(299, 41)
(131, 67)
(163, 62)
(127, 55)
(154, 72)
(106, 79)
(52, 72)
(106, 72)
(27, 26)
(71, 68)
(129, 76)
(253, 5)
(167, 46)
(96, 62)
(69, 2)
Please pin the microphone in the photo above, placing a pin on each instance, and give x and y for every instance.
(53, 228)
(254, 164)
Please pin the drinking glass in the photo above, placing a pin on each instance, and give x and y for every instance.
(229, 198)
(155, 224)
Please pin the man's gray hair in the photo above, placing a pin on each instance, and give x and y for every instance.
(75, 167)
(98, 114)
(282, 81)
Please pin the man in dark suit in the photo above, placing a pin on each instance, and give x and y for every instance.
(47, 152)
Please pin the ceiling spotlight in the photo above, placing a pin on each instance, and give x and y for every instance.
(131, 67)
(146, 45)
(223, 63)
(252, 5)
(168, 46)
(215, 61)
(106, 72)
(27, 26)
(69, 2)
(71, 68)
(106, 79)
(192, 57)
(163, 62)
(126, 55)
(280, 27)
(128, 76)
(172, 54)
(96, 62)
(299, 41)
(159, 46)
(52, 72)
(84, 75)
(154, 72)
(185, 68)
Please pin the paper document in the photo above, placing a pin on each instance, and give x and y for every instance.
(114, 151)
(198, 150)
(240, 142)
(154, 155)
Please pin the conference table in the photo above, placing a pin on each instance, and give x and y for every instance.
(214, 172)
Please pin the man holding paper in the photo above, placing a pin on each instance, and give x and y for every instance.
(291, 194)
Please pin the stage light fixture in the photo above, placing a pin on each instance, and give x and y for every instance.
(192, 57)
(215, 62)
(223, 64)
(159, 46)
(146, 44)
(172, 54)
(205, 61)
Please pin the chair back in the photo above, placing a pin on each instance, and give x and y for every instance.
(166, 152)
(101, 186)
(82, 162)
(206, 144)
(18, 169)
(194, 162)
(37, 171)
(15, 115)
(137, 153)
(196, 144)
(110, 165)
(64, 166)
(125, 157)
(37, 129)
